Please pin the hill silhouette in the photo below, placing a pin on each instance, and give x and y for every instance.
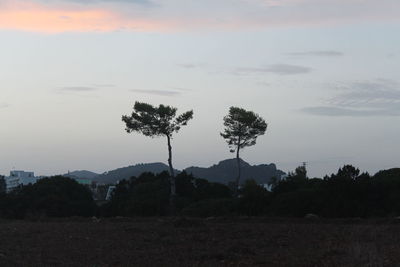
(223, 172)
(81, 174)
(226, 171)
(112, 177)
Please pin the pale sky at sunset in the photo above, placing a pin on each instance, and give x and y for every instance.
(323, 73)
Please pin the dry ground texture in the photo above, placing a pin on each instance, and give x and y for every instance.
(200, 242)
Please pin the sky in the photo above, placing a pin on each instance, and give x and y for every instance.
(324, 74)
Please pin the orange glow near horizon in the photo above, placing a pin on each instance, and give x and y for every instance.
(31, 16)
(36, 18)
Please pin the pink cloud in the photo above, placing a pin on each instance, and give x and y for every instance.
(175, 15)
(30, 16)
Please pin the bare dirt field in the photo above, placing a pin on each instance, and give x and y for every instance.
(200, 242)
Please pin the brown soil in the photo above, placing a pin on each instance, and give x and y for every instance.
(200, 242)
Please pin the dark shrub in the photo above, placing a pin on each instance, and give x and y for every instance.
(54, 197)
(254, 199)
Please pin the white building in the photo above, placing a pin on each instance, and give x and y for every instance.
(18, 178)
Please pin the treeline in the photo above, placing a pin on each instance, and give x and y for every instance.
(49, 197)
(348, 193)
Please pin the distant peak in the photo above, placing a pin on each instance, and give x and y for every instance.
(229, 162)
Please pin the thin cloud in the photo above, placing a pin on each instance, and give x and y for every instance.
(104, 85)
(265, 84)
(168, 93)
(380, 93)
(322, 53)
(391, 55)
(188, 65)
(140, 2)
(280, 69)
(4, 105)
(348, 112)
(78, 89)
(181, 89)
(191, 65)
(363, 98)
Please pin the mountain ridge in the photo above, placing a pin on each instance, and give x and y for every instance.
(82, 174)
(122, 173)
(224, 172)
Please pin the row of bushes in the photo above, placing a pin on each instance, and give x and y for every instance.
(345, 194)
(148, 195)
(348, 193)
(51, 197)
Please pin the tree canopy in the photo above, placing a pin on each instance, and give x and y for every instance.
(3, 185)
(56, 196)
(242, 128)
(155, 121)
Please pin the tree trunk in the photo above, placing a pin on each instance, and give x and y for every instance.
(239, 171)
(171, 178)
